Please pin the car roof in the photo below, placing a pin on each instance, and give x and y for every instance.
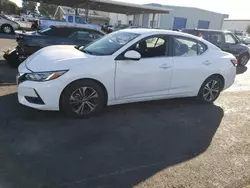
(209, 30)
(143, 31)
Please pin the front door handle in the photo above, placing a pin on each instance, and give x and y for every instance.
(165, 66)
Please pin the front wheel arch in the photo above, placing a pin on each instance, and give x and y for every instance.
(2, 27)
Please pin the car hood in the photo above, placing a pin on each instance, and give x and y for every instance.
(60, 57)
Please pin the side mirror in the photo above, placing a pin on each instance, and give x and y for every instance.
(132, 55)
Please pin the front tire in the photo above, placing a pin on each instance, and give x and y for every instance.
(210, 89)
(7, 29)
(82, 99)
(13, 59)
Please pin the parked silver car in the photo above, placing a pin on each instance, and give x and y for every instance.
(7, 26)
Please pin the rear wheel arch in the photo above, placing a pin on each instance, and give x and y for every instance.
(218, 76)
(209, 91)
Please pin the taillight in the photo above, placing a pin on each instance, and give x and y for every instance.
(234, 62)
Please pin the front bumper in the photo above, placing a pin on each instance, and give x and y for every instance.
(40, 95)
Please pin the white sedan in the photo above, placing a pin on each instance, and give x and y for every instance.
(125, 66)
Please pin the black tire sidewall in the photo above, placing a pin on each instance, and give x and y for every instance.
(64, 102)
(12, 59)
(200, 95)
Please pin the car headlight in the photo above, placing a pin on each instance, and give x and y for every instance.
(44, 76)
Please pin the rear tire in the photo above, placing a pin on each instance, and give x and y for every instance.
(210, 90)
(243, 60)
(82, 99)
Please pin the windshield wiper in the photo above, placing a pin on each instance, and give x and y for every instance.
(86, 52)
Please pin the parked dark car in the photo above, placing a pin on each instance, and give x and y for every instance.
(30, 42)
(107, 28)
(226, 41)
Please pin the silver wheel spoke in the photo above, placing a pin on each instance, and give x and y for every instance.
(206, 95)
(211, 96)
(213, 84)
(215, 90)
(207, 87)
(82, 91)
(73, 100)
(80, 109)
(92, 95)
(90, 105)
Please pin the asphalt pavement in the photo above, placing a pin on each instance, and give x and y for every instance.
(167, 144)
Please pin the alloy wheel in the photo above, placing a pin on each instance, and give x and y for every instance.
(7, 29)
(244, 60)
(84, 100)
(211, 90)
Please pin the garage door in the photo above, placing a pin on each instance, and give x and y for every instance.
(203, 24)
(179, 23)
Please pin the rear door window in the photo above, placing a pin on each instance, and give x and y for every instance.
(213, 37)
(186, 47)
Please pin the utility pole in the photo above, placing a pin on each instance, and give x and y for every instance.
(87, 11)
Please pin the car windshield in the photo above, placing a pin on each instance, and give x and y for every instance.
(109, 44)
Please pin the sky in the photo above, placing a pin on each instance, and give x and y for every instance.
(239, 9)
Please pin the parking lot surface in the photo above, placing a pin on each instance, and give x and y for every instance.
(166, 144)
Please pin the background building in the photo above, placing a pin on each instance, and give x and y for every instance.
(189, 17)
(235, 25)
(97, 17)
(178, 17)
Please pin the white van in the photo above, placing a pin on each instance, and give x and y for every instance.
(7, 26)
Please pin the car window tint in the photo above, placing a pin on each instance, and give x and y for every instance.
(213, 37)
(152, 47)
(81, 35)
(229, 39)
(185, 47)
(70, 19)
(80, 20)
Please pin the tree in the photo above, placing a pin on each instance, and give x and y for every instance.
(29, 6)
(248, 29)
(1, 5)
(10, 7)
(47, 9)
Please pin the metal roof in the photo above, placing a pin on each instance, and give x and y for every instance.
(109, 6)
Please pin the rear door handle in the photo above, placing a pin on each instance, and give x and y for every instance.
(165, 66)
(207, 63)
